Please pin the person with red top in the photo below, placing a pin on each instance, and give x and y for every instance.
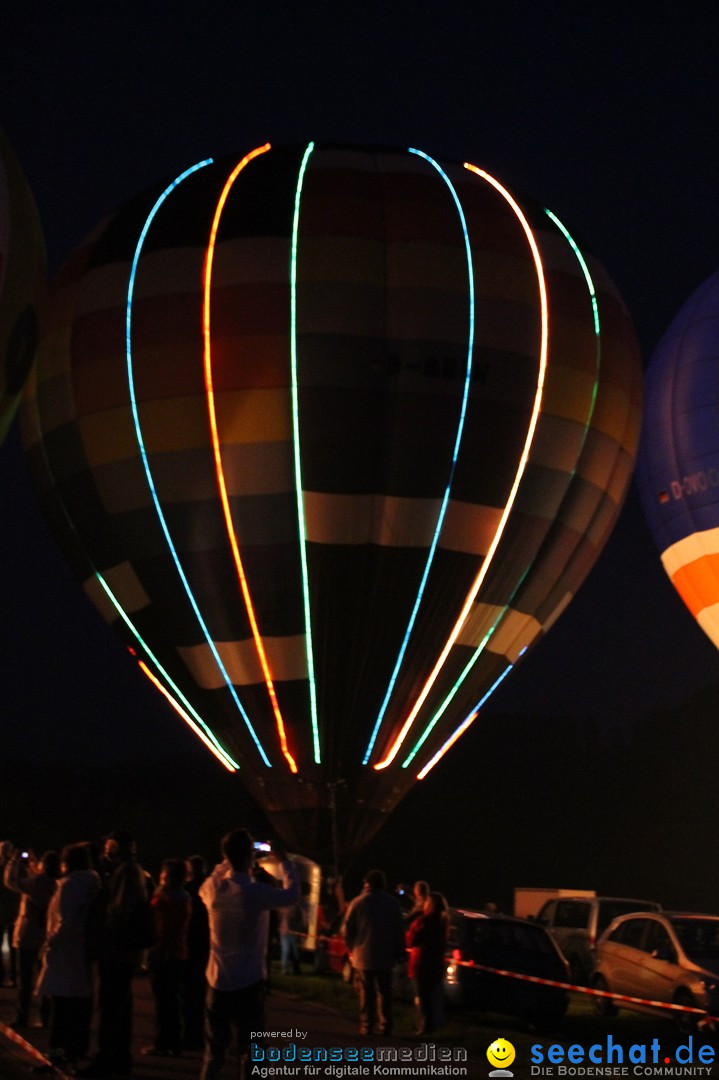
(426, 940)
(171, 912)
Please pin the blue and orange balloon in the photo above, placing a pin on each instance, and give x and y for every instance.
(678, 466)
(332, 436)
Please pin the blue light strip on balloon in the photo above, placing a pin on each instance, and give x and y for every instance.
(463, 726)
(203, 731)
(298, 463)
(145, 461)
(455, 454)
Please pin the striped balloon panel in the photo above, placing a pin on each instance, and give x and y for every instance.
(370, 335)
(578, 471)
(22, 282)
(678, 467)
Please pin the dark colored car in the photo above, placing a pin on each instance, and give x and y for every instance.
(498, 941)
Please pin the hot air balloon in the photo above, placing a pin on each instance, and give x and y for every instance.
(332, 436)
(678, 465)
(22, 280)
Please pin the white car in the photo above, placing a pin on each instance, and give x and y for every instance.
(660, 956)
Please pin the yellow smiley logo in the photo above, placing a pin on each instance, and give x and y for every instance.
(500, 1053)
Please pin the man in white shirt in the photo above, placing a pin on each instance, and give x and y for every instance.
(238, 909)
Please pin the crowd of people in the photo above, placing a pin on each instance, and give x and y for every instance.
(86, 919)
(79, 925)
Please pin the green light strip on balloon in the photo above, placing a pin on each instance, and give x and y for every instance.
(205, 734)
(298, 462)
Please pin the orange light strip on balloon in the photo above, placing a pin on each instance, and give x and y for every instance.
(222, 485)
(477, 584)
(181, 712)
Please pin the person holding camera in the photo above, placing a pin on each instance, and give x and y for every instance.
(238, 908)
(35, 881)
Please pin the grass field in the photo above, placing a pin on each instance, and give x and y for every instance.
(580, 1027)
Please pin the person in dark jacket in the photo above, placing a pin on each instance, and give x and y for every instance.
(374, 933)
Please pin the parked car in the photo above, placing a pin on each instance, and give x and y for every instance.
(577, 922)
(669, 956)
(513, 945)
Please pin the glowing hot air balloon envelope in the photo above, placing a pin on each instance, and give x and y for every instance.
(332, 436)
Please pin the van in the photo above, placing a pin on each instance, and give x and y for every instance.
(577, 922)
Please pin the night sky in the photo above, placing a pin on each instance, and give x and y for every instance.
(608, 115)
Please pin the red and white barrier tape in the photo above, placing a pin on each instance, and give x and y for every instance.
(705, 1021)
(10, 1033)
(591, 991)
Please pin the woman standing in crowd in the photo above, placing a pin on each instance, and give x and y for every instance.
(426, 940)
(171, 912)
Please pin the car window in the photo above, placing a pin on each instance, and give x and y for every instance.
(546, 913)
(572, 914)
(609, 910)
(699, 937)
(659, 941)
(632, 933)
(495, 937)
(453, 936)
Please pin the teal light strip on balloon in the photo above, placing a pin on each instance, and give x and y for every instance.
(208, 734)
(595, 310)
(463, 726)
(298, 462)
(455, 453)
(145, 461)
(582, 262)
